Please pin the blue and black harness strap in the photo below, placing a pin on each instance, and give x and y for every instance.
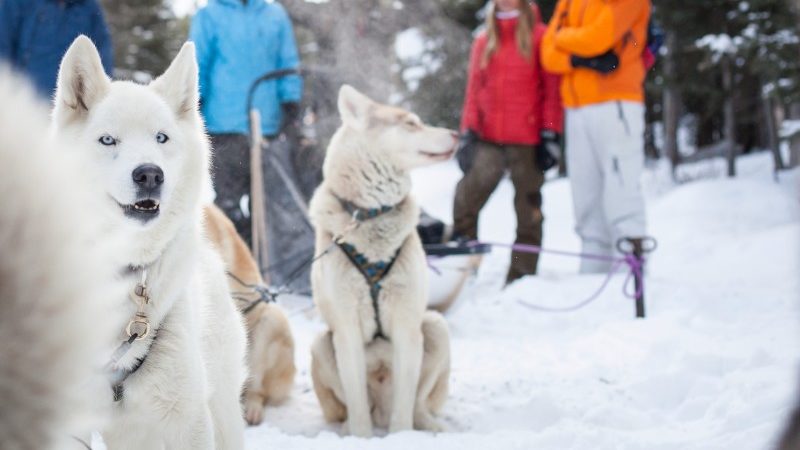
(362, 214)
(374, 273)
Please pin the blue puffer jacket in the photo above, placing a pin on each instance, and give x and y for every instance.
(237, 43)
(35, 34)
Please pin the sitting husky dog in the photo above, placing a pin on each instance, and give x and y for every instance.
(55, 281)
(270, 350)
(177, 384)
(385, 359)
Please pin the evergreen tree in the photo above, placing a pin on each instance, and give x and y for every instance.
(146, 36)
(758, 37)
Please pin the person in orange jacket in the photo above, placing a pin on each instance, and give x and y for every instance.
(597, 46)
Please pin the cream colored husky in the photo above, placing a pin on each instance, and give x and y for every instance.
(385, 359)
(57, 274)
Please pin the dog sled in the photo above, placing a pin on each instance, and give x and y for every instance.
(282, 235)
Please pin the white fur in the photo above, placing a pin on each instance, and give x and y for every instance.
(397, 383)
(186, 395)
(56, 274)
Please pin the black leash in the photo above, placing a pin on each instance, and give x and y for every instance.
(82, 442)
(268, 295)
(264, 294)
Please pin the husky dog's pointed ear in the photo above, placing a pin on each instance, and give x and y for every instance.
(354, 107)
(82, 82)
(179, 83)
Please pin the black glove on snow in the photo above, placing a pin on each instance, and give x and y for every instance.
(605, 63)
(465, 151)
(548, 152)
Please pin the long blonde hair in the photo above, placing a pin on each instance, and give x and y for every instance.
(525, 24)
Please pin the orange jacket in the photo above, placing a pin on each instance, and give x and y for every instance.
(590, 28)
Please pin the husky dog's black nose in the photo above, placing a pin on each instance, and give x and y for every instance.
(148, 176)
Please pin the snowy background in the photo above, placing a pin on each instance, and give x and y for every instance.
(714, 365)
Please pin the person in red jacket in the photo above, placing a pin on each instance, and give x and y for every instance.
(512, 115)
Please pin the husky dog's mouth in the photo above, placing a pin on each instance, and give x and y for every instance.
(143, 210)
(439, 156)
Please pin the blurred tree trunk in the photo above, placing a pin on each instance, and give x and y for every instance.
(794, 141)
(794, 108)
(671, 108)
(771, 128)
(726, 65)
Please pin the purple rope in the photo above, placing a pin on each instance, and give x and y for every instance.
(527, 248)
(593, 297)
(634, 264)
(435, 269)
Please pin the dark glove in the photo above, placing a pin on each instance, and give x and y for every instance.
(291, 119)
(605, 63)
(465, 151)
(548, 152)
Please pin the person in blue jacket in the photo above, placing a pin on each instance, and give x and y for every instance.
(237, 41)
(35, 34)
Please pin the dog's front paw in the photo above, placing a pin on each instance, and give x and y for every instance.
(360, 430)
(426, 422)
(400, 425)
(254, 412)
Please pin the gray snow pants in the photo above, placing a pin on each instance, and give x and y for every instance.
(605, 159)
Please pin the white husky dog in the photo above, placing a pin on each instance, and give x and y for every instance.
(178, 384)
(385, 359)
(55, 282)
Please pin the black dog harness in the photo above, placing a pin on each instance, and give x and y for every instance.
(373, 271)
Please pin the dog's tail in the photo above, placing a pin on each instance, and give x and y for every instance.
(55, 279)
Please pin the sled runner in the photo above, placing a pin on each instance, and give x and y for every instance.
(282, 235)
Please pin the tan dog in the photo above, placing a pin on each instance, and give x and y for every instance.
(385, 359)
(270, 344)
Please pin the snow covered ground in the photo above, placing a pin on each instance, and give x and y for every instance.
(714, 366)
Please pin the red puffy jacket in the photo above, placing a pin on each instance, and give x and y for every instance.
(512, 99)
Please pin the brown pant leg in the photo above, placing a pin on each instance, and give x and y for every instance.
(527, 179)
(475, 188)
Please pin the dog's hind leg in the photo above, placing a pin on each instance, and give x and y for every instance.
(254, 397)
(280, 373)
(325, 376)
(434, 378)
(271, 361)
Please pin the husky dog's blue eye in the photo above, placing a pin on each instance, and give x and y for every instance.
(161, 138)
(107, 140)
